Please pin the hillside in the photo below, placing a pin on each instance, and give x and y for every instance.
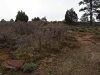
(55, 48)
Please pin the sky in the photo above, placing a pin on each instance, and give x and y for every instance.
(53, 10)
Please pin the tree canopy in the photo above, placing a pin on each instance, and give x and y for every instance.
(44, 19)
(71, 16)
(36, 19)
(91, 7)
(84, 18)
(21, 16)
(3, 20)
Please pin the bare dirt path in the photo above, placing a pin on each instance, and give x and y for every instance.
(83, 61)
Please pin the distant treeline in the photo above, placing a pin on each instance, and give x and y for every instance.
(60, 22)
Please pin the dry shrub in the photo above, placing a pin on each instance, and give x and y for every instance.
(34, 37)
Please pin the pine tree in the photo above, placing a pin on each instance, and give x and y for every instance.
(91, 8)
(71, 16)
(21, 16)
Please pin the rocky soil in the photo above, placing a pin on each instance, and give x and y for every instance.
(78, 61)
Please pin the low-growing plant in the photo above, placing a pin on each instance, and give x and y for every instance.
(54, 49)
(54, 21)
(45, 23)
(7, 71)
(50, 71)
(1, 46)
(0, 59)
(82, 30)
(29, 67)
(0, 64)
(35, 58)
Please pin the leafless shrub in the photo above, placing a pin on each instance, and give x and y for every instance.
(33, 34)
(6, 33)
(24, 41)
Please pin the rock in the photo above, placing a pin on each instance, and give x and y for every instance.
(53, 55)
(50, 60)
(69, 31)
(98, 28)
(95, 56)
(13, 64)
(47, 60)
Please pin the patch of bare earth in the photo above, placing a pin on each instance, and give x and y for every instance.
(4, 54)
(78, 61)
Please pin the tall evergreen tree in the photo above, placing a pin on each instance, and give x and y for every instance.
(71, 16)
(91, 7)
(84, 18)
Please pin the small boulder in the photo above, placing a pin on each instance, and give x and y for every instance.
(13, 64)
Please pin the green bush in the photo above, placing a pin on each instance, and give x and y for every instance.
(54, 21)
(7, 43)
(11, 20)
(35, 58)
(45, 23)
(28, 67)
(21, 16)
(71, 16)
(2, 20)
(36, 19)
(54, 49)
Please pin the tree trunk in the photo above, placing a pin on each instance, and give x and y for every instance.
(90, 12)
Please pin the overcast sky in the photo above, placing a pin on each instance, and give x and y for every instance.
(51, 9)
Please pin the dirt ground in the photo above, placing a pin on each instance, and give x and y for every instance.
(79, 61)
